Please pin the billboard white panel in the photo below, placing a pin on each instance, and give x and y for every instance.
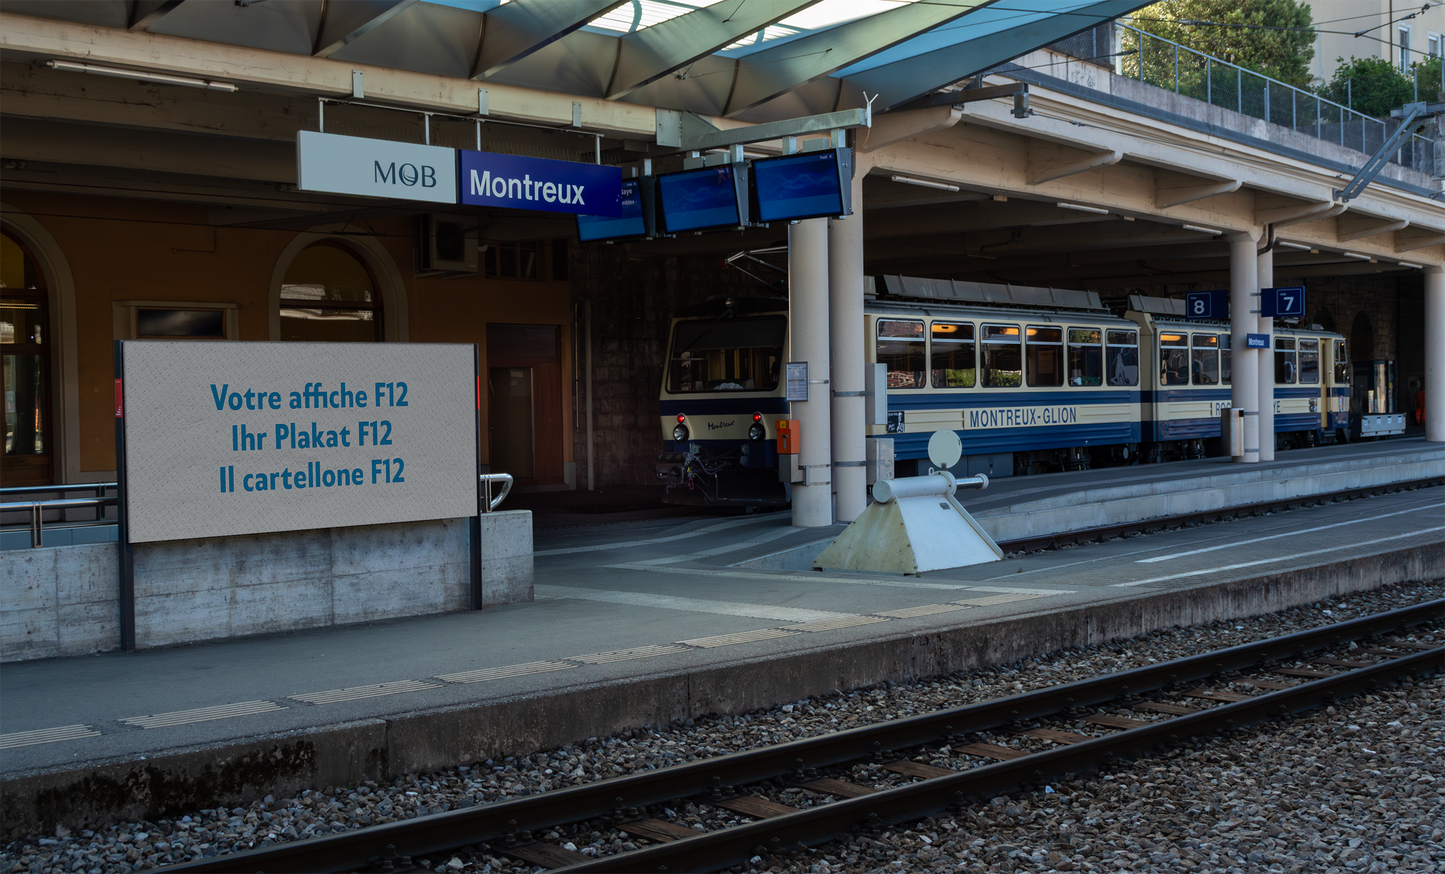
(226, 438)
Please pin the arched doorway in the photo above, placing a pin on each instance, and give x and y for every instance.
(329, 294)
(27, 457)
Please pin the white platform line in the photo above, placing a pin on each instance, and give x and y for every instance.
(355, 693)
(790, 577)
(502, 673)
(599, 547)
(46, 736)
(720, 550)
(1235, 544)
(691, 605)
(202, 714)
(1276, 559)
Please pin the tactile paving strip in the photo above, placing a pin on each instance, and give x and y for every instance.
(46, 735)
(924, 610)
(740, 637)
(202, 714)
(354, 693)
(484, 674)
(622, 655)
(831, 624)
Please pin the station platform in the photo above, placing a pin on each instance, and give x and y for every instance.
(645, 616)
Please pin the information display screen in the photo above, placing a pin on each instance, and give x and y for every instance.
(696, 200)
(803, 186)
(631, 223)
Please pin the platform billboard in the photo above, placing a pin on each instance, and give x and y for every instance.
(224, 438)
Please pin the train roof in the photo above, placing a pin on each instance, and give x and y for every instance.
(989, 294)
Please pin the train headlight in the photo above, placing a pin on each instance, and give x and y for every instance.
(679, 433)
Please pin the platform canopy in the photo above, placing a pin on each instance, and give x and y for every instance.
(750, 59)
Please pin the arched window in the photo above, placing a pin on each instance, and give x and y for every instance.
(26, 457)
(329, 294)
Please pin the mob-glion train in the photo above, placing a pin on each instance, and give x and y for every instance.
(1031, 380)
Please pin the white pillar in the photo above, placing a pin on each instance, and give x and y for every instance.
(1435, 354)
(808, 315)
(845, 314)
(1266, 365)
(1244, 386)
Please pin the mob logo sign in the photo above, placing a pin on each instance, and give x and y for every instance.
(375, 168)
(535, 183)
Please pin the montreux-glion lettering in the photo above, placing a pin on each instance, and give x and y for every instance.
(1022, 417)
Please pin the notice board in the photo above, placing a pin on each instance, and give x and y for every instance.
(224, 438)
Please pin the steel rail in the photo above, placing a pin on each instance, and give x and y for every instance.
(444, 832)
(1144, 526)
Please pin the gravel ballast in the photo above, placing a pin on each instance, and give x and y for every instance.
(1359, 786)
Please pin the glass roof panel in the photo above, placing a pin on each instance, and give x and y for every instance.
(639, 14)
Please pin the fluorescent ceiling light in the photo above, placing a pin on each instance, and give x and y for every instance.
(1299, 246)
(1203, 230)
(1357, 255)
(1412, 266)
(120, 73)
(907, 180)
(1081, 208)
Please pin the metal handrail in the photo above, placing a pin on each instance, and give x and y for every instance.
(37, 512)
(487, 479)
(72, 487)
(1270, 83)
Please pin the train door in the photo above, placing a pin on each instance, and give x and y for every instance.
(1309, 375)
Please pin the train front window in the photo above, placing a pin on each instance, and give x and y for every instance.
(901, 347)
(1204, 359)
(1173, 359)
(1045, 356)
(731, 355)
(1121, 357)
(1225, 363)
(1284, 366)
(1086, 356)
(1003, 362)
(952, 355)
(1309, 362)
(1342, 364)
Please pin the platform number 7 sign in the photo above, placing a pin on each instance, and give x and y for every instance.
(1282, 301)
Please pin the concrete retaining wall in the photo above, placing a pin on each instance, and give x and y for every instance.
(64, 600)
(342, 755)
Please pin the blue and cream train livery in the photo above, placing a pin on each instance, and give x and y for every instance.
(1031, 379)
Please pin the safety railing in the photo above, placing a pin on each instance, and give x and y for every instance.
(490, 503)
(1169, 65)
(34, 510)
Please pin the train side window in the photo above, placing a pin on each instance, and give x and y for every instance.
(952, 356)
(1003, 363)
(1225, 364)
(1342, 364)
(1284, 366)
(1121, 357)
(901, 347)
(1086, 356)
(1045, 356)
(1309, 362)
(1204, 359)
(1173, 359)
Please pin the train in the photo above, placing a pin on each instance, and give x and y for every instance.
(1031, 379)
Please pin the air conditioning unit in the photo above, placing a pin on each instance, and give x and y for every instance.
(446, 244)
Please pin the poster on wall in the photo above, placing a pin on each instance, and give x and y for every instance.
(225, 438)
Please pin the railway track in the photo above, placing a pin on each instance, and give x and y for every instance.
(1093, 535)
(805, 792)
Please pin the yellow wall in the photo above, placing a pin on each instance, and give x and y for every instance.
(120, 249)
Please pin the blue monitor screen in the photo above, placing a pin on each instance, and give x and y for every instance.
(629, 224)
(799, 187)
(698, 199)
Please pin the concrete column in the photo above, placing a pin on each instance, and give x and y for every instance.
(1435, 354)
(1244, 386)
(1266, 365)
(808, 316)
(845, 315)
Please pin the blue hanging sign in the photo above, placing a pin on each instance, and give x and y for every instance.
(1256, 341)
(1282, 301)
(515, 182)
(1212, 304)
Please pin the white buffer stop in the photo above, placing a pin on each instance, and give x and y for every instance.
(916, 524)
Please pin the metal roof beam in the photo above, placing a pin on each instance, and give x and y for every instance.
(343, 23)
(515, 30)
(686, 132)
(912, 77)
(147, 12)
(763, 75)
(651, 53)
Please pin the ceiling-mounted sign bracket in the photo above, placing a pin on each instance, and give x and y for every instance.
(689, 132)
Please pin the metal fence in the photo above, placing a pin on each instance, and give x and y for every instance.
(1180, 69)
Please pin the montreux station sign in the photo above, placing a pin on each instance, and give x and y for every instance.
(406, 171)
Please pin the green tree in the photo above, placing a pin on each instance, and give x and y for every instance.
(1373, 86)
(1272, 37)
